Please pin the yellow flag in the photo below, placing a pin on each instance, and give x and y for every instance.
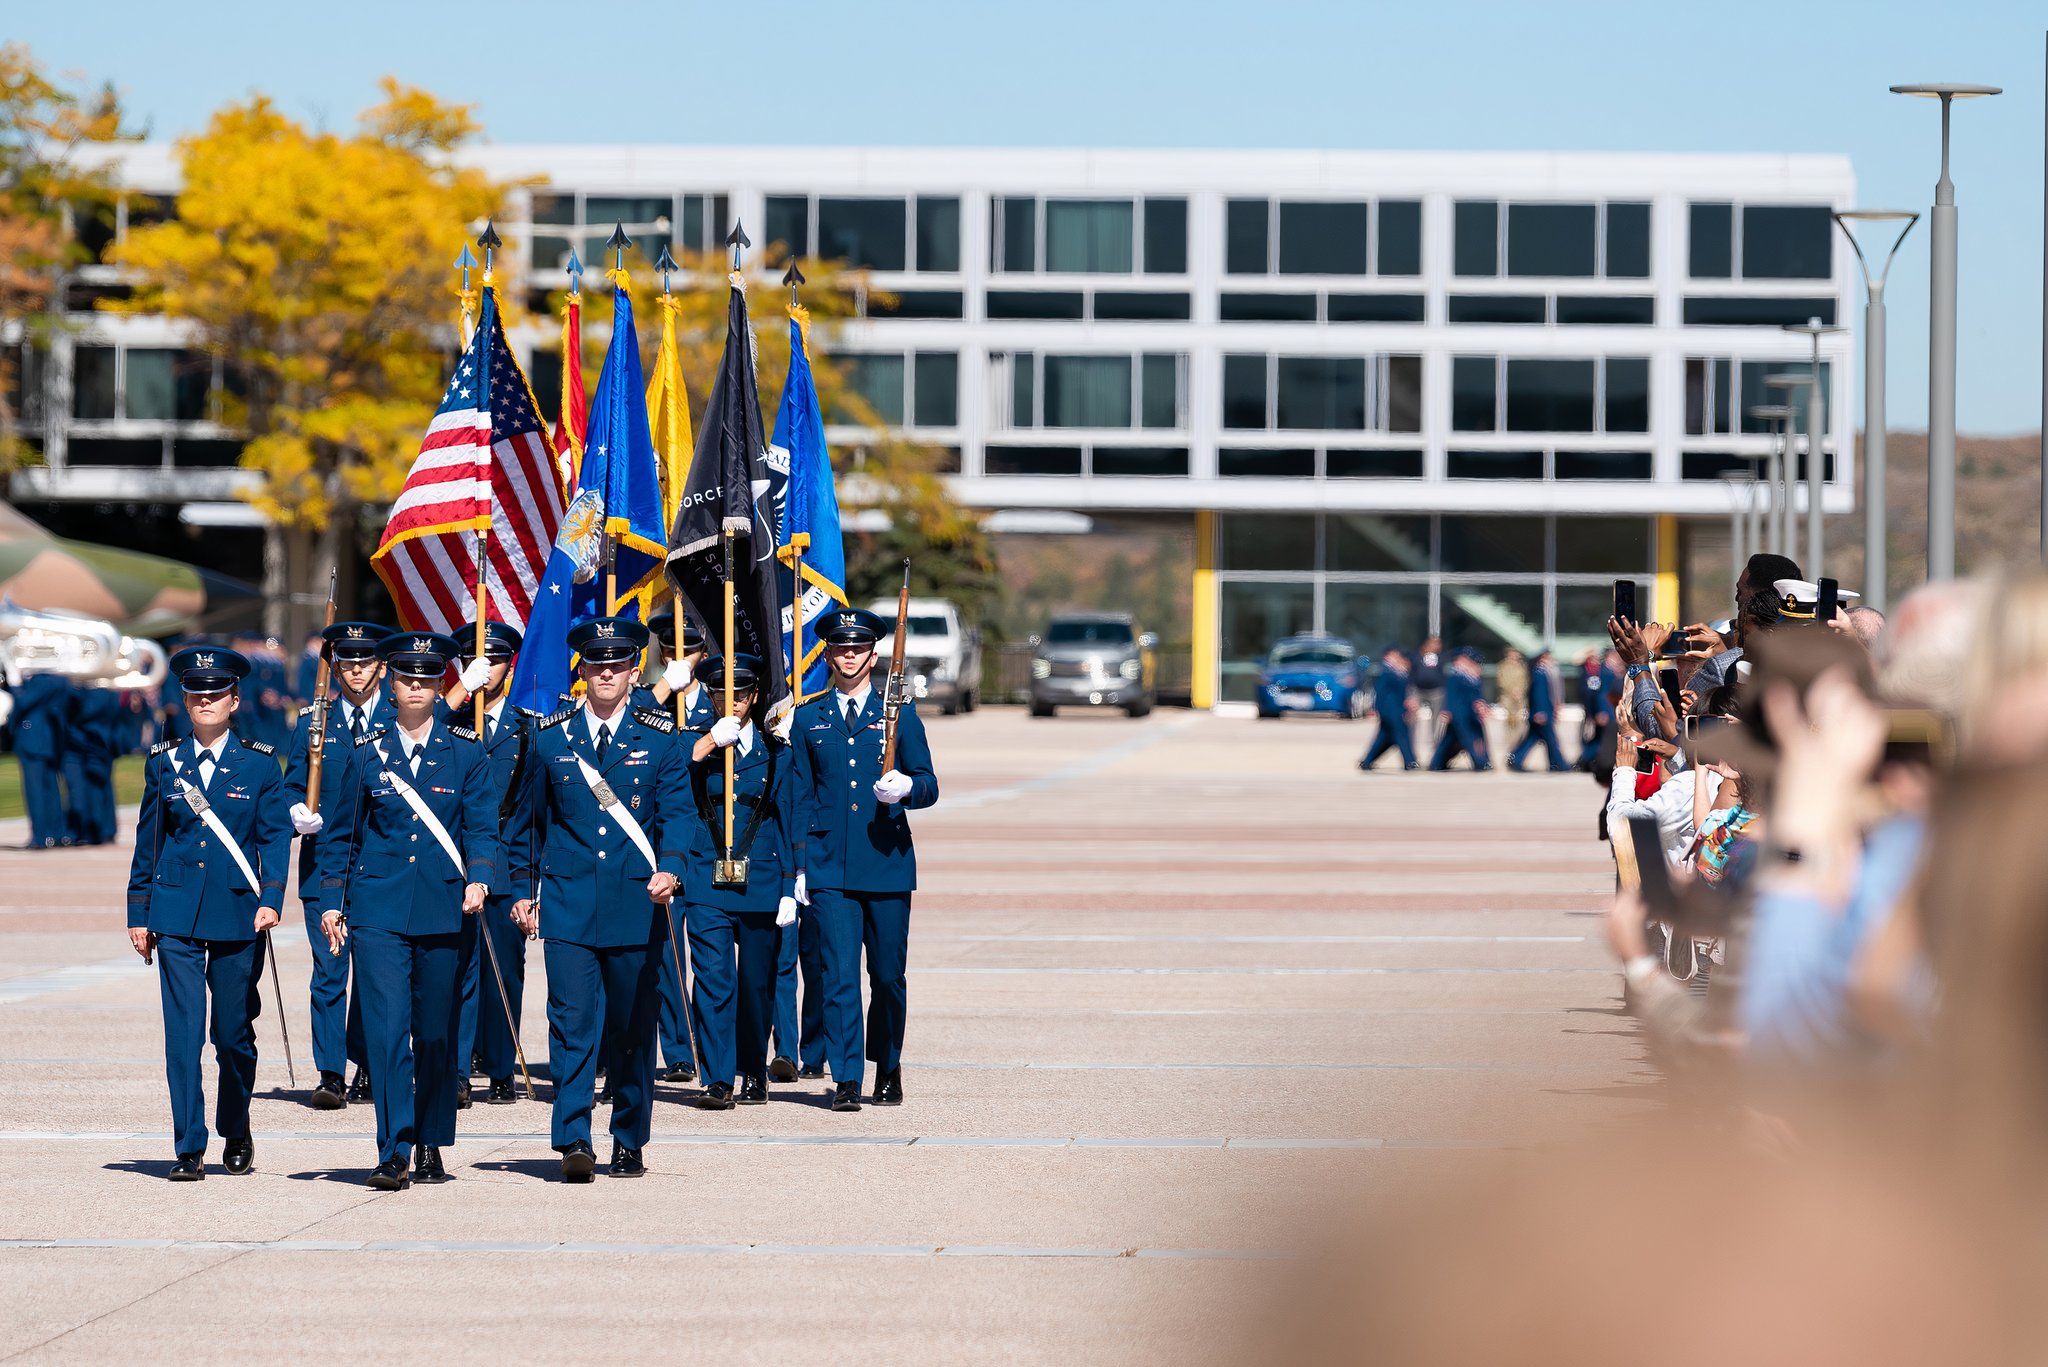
(668, 415)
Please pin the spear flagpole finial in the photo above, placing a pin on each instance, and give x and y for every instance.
(738, 240)
(665, 265)
(465, 262)
(575, 269)
(490, 242)
(618, 242)
(792, 278)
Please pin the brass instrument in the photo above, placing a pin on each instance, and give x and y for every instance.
(78, 647)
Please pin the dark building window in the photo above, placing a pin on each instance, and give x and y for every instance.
(1404, 393)
(1244, 392)
(1475, 237)
(1268, 308)
(917, 304)
(786, 220)
(1370, 464)
(863, 232)
(936, 385)
(1021, 304)
(1089, 236)
(1031, 460)
(93, 394)
(1550, 396)
(1323, 239)
(1787, 242)
(1400, 237)
(1142, 306)
(1374, 308)
(1129, 461)
(1743, 311)
(1020, 235)
(1087, 391)
(1494, 465)
(1498, 308)
(1159, 391)
(879, 380)
(1627, 394)
(938, 233)
(1600, 465)
(1166, 237)
(1710, 248)
(1260, 463)
(1551, 239)
(1638, 310)
(1628, 241)
(1244, 237)
(1322, 393)
(1472, 394)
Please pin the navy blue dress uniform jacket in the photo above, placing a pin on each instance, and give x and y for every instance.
(339, 752)
(382, 865)
(42, 709)
(1390, 692)
(589, 877)
(181, 881)
(773, 853)
(851, 840)
(508, 752)
(1542, 702)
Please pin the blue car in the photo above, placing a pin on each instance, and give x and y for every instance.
(1313, 673)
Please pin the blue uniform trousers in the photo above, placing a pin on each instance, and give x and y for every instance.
(484, 1034)
(352, 1030)
(1546, 734)
(878, 922)
(43, 793)
(607, 995)
(328, 996)
(89, 795)
(187, 971)
(810, 959)
(734, 955)
(1461, 734)
(409, 986)
(1393, 733)
(835, 922)
(788, 1039)
(674, 1025)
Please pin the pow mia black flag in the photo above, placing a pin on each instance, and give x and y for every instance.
(728, 476)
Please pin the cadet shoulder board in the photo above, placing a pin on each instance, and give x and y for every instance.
(462, 731)
(261, 747)
(555, 718)
(163, 747)
(374, 733)
(656, 718)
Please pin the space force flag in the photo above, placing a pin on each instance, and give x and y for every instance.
(800, 488)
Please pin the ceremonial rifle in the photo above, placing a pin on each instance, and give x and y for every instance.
(316, 731)
(894, 689)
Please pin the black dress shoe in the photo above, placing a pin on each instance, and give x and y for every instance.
(889, 1088)
(680, 1072)
(753, 1090)
(238, 1155)
(190, 1167)
(427, 1169)
(717, 1097)
(391, 1176)
(781, 1069)
(331, 1094)
(462, 1097)
(359, 1090)
(578, 1162)
(607, 1095)
(811, 1070)
(846, 1097)
(626, 1162)
(500, 1093)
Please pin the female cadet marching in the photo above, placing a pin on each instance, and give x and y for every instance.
(212, 851)
(411, 848)
(735, 922)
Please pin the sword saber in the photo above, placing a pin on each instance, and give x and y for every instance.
(283, 1026)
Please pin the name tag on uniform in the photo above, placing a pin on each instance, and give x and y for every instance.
(383, 792)
(821, 726)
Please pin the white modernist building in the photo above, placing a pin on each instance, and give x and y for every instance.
(1390, 392)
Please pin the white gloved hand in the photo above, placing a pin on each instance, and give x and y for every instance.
(892, 787)
(305, 820)
(725, 731)
(676, 675)
(803, 890)
(785, 912)
(475, 675)
(6, 707)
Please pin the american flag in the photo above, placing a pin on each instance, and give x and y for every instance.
(485, 455)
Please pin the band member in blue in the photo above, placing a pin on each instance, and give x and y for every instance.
(358, 675)
(212, 847)
(490, 1017)
(600, 857)
(860, 866)
(736, 921)
(678, 677)
(411, 851)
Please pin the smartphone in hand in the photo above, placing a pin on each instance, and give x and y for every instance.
(1625, 600)
(1829, 602)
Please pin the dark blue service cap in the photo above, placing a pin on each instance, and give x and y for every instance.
(608, 640)
(746, 672)
(850, 627)
(501, 640)
(1392, 648)
(353, 640)
(208, 668)
(418, 654)
(663, 627)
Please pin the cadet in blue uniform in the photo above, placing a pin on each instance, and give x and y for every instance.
(678, 674)
(1390, 703)
(1543, 700)
(1464, 711)
(605, 812)
(361, 704)
(212, 845)
(91, 744)
(859, 864)
(42, 704)
(412, 852)
(508, 750)
(736, 929)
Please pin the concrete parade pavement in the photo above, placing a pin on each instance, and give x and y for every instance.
(1176, 986)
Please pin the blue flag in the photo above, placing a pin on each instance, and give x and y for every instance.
(618, 499)
(808, 507)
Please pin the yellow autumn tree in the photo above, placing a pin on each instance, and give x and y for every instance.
(316, 265)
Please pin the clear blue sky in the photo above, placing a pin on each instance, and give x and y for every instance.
(1780, 76)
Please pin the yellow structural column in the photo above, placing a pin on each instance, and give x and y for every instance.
(1664, 596)
(1207, 661)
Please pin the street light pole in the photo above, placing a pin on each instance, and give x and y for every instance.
(1787, 383)
(1875, 441)
(1773, 414)
(1941, 341)
(1816, 458)
(1741, 489)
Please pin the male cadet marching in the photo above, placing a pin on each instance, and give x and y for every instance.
(95, 719)
(412, 854)
(337, 1022)
(859, 865)
(42, 704)
(606, 802)
(508, 744)
(736, 926)
(1544, 693)
(1464, 714)
(212, 845)
(679, 674)
(1391, 703)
